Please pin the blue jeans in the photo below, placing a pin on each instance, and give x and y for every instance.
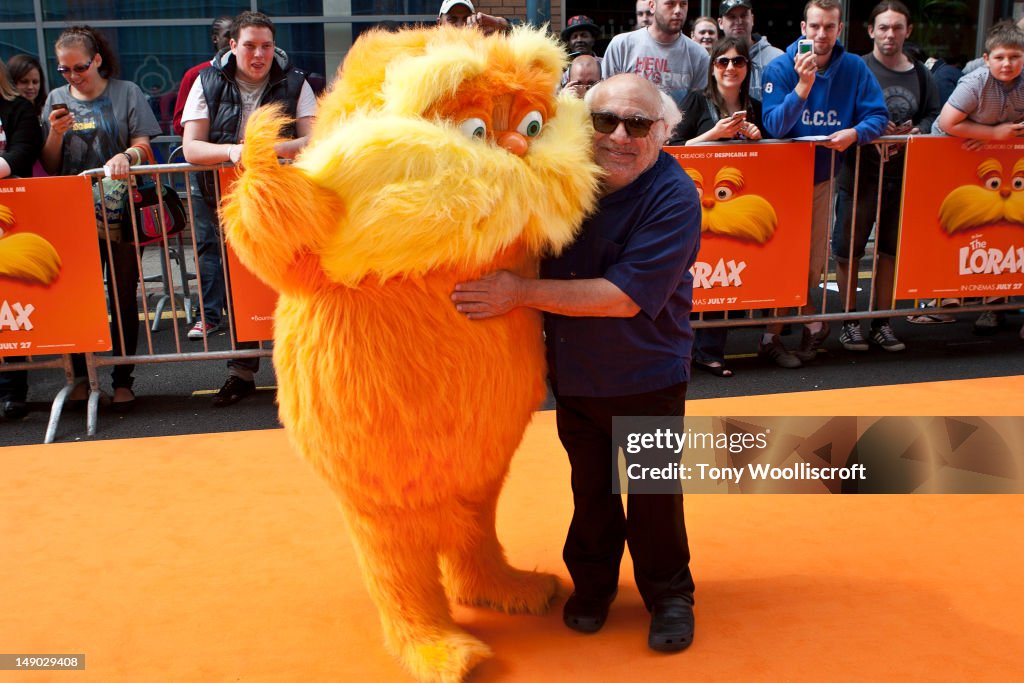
(211, 270)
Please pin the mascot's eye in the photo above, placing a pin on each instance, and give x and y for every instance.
(723, 193)
(474, 128)
(531, 124)
(993, 183)
(1018, 183)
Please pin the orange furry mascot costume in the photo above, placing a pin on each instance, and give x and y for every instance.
(439, 155)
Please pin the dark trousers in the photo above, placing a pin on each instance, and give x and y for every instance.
(14, 384)
(652, 525)
(125, 269)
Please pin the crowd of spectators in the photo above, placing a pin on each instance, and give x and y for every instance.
(728, 82)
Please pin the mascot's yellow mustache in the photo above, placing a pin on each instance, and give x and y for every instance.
(972, 206)
(25, 256)
(747, 217)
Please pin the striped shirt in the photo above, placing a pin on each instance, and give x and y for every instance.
(987, 100)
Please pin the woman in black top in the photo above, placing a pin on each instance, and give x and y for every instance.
(723, 111)
(711, 115)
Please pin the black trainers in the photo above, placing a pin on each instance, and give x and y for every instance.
(883, 336)
(13, 410)
(852, 338)
(989, 323)
(671, 625)
(810, 343)
(233, 391)
(776, 352)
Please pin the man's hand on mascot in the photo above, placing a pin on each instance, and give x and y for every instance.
(492, 295)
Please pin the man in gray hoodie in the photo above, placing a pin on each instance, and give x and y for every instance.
(736, 19)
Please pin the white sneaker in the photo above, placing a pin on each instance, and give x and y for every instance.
(200, 330)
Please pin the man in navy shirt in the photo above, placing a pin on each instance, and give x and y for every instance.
(617, 305)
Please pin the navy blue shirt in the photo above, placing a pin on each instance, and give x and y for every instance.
(644, 239)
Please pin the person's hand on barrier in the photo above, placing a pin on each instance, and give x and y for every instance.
(117, 166)
(1007, 131)
(492, 295)
(972, 145)
(840, 140)
(750, 131)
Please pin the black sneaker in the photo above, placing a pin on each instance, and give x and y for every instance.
(233, 391)
(852, 338)
(13, 410)
(776, 352)
(810, 343)
(884, 337)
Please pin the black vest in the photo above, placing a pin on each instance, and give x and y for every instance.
(224, 101)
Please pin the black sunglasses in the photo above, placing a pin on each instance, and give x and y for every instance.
(77, 68)
(737, 61)
(636, 126)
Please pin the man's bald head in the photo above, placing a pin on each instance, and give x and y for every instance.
(621, 106)
(584, 73)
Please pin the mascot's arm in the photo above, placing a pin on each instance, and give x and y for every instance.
(276, 218)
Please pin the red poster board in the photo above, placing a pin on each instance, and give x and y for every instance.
(51, 282)
(252, 301)
(962, 228)
(756, 223)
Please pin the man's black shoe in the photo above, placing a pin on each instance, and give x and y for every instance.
(671, 625)
(13, 410)
(233, 391)
(586, 615)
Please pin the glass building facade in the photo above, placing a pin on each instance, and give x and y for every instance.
(157, 41)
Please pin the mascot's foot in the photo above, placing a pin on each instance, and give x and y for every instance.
(444, 658)
(512, 590)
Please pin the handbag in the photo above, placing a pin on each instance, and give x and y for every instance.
(149, 229)
(147, 197)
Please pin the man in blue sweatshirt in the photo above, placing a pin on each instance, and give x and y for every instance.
(823, 92)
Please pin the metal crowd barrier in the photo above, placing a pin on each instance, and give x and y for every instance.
(188, 270)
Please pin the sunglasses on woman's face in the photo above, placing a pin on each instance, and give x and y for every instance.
(636, 126)
(737, 61)
(77, 68)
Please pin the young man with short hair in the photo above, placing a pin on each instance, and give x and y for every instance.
(913, 103)
(821, 92)
(251, 72)
(661, 52)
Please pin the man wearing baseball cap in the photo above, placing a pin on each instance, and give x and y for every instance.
(461, 13)
(736, 19)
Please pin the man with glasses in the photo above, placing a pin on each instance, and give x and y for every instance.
(583, 74)
(817, 89)
(251, 72)
(661, 52)
(617, 305)
(736, 19)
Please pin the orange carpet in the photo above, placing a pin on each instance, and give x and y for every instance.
(222, 557)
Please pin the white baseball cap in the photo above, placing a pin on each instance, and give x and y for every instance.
(447, 5)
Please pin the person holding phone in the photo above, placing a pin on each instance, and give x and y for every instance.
(94, 121)
(913, 103)
(828, 93)
(724, 110)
